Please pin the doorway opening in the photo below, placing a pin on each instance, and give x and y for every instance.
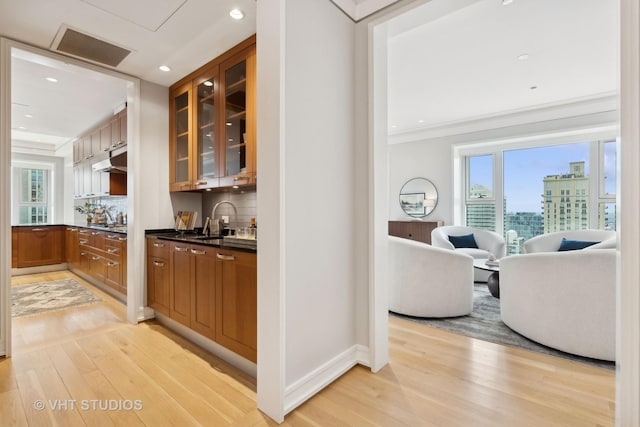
(54, 100)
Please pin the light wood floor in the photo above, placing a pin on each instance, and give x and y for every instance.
(90, 354)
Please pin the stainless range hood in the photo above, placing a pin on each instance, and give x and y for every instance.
(115, 164)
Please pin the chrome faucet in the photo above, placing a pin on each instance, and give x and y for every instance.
(235, 213)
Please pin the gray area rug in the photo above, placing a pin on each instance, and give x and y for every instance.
(48, 296)
(484, 323)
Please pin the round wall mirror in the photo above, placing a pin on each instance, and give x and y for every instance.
(418, 197)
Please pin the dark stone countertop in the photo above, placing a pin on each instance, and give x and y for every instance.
(198, 239)
(121, 229)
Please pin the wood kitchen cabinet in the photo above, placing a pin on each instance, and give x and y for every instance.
(192, 290)
(101, 258)
(71, 247)
(38, 245)
(96, 146)
(158, 275)
(212, 123)
(211, 290)
(115, 248)
(237, 91)
(180, 167)
(236, 302)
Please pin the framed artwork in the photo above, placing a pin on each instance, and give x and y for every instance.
(412, 203)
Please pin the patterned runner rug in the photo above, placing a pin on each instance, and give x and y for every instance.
(485, 323)
(48, 296)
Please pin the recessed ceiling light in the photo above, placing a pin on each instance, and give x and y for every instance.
(51, 79)
(394, 126)
(236, 14)
(523, 57)
(506, 2)
(420, 121)
(208, 83)
(229, 123)
(164, 68)
(28, 116)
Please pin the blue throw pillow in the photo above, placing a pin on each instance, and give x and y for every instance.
(573, 245)
(466, 241)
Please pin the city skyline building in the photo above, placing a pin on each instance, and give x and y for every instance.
(565, 200)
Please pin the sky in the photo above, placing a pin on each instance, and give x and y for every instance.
(524, 171)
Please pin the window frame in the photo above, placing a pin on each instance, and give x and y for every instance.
(461, 153)
(17, 166)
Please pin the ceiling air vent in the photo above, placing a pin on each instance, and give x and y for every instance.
(84, 46)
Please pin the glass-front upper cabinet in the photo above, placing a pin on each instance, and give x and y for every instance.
(206, 160)
(212, 123)
(180, 131)
(238, 157)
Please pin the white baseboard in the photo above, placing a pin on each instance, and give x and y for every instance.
(145, 313)
(303, 389)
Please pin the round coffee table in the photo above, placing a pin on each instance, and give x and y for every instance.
(493, 283)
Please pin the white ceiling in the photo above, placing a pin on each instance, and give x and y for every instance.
(183, 34)
(464, 65)
(442, 69)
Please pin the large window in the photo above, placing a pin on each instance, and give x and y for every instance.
(32, 195)
(526, 192)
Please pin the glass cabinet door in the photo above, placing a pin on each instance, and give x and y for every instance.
(181, 131)
(235, 100)
(206, 132)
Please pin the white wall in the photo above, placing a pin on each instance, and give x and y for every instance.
(431, 160)
(305, 200)
(319, 186)
(154, 201)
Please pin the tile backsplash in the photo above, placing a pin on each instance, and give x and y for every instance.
(244, 201)
(113, 204)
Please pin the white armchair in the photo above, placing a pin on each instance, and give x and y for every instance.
(564, 300)
(487, 242)
(550, 242)
(425, 281)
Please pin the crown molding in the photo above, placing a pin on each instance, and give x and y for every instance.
(360, 9)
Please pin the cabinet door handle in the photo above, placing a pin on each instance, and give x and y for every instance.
(201, 183)
(111, 236)
(107, 149)
(95, 233)
(180, 249)
(198, 252)
(112, 250)
(122, 239)
(225, 257)
(72, 229)
(111, 264)
(95, 258)
(37, 229)
(158, 245)
(83, 242)
(158, 263)
(83, 253)
(89, 157)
